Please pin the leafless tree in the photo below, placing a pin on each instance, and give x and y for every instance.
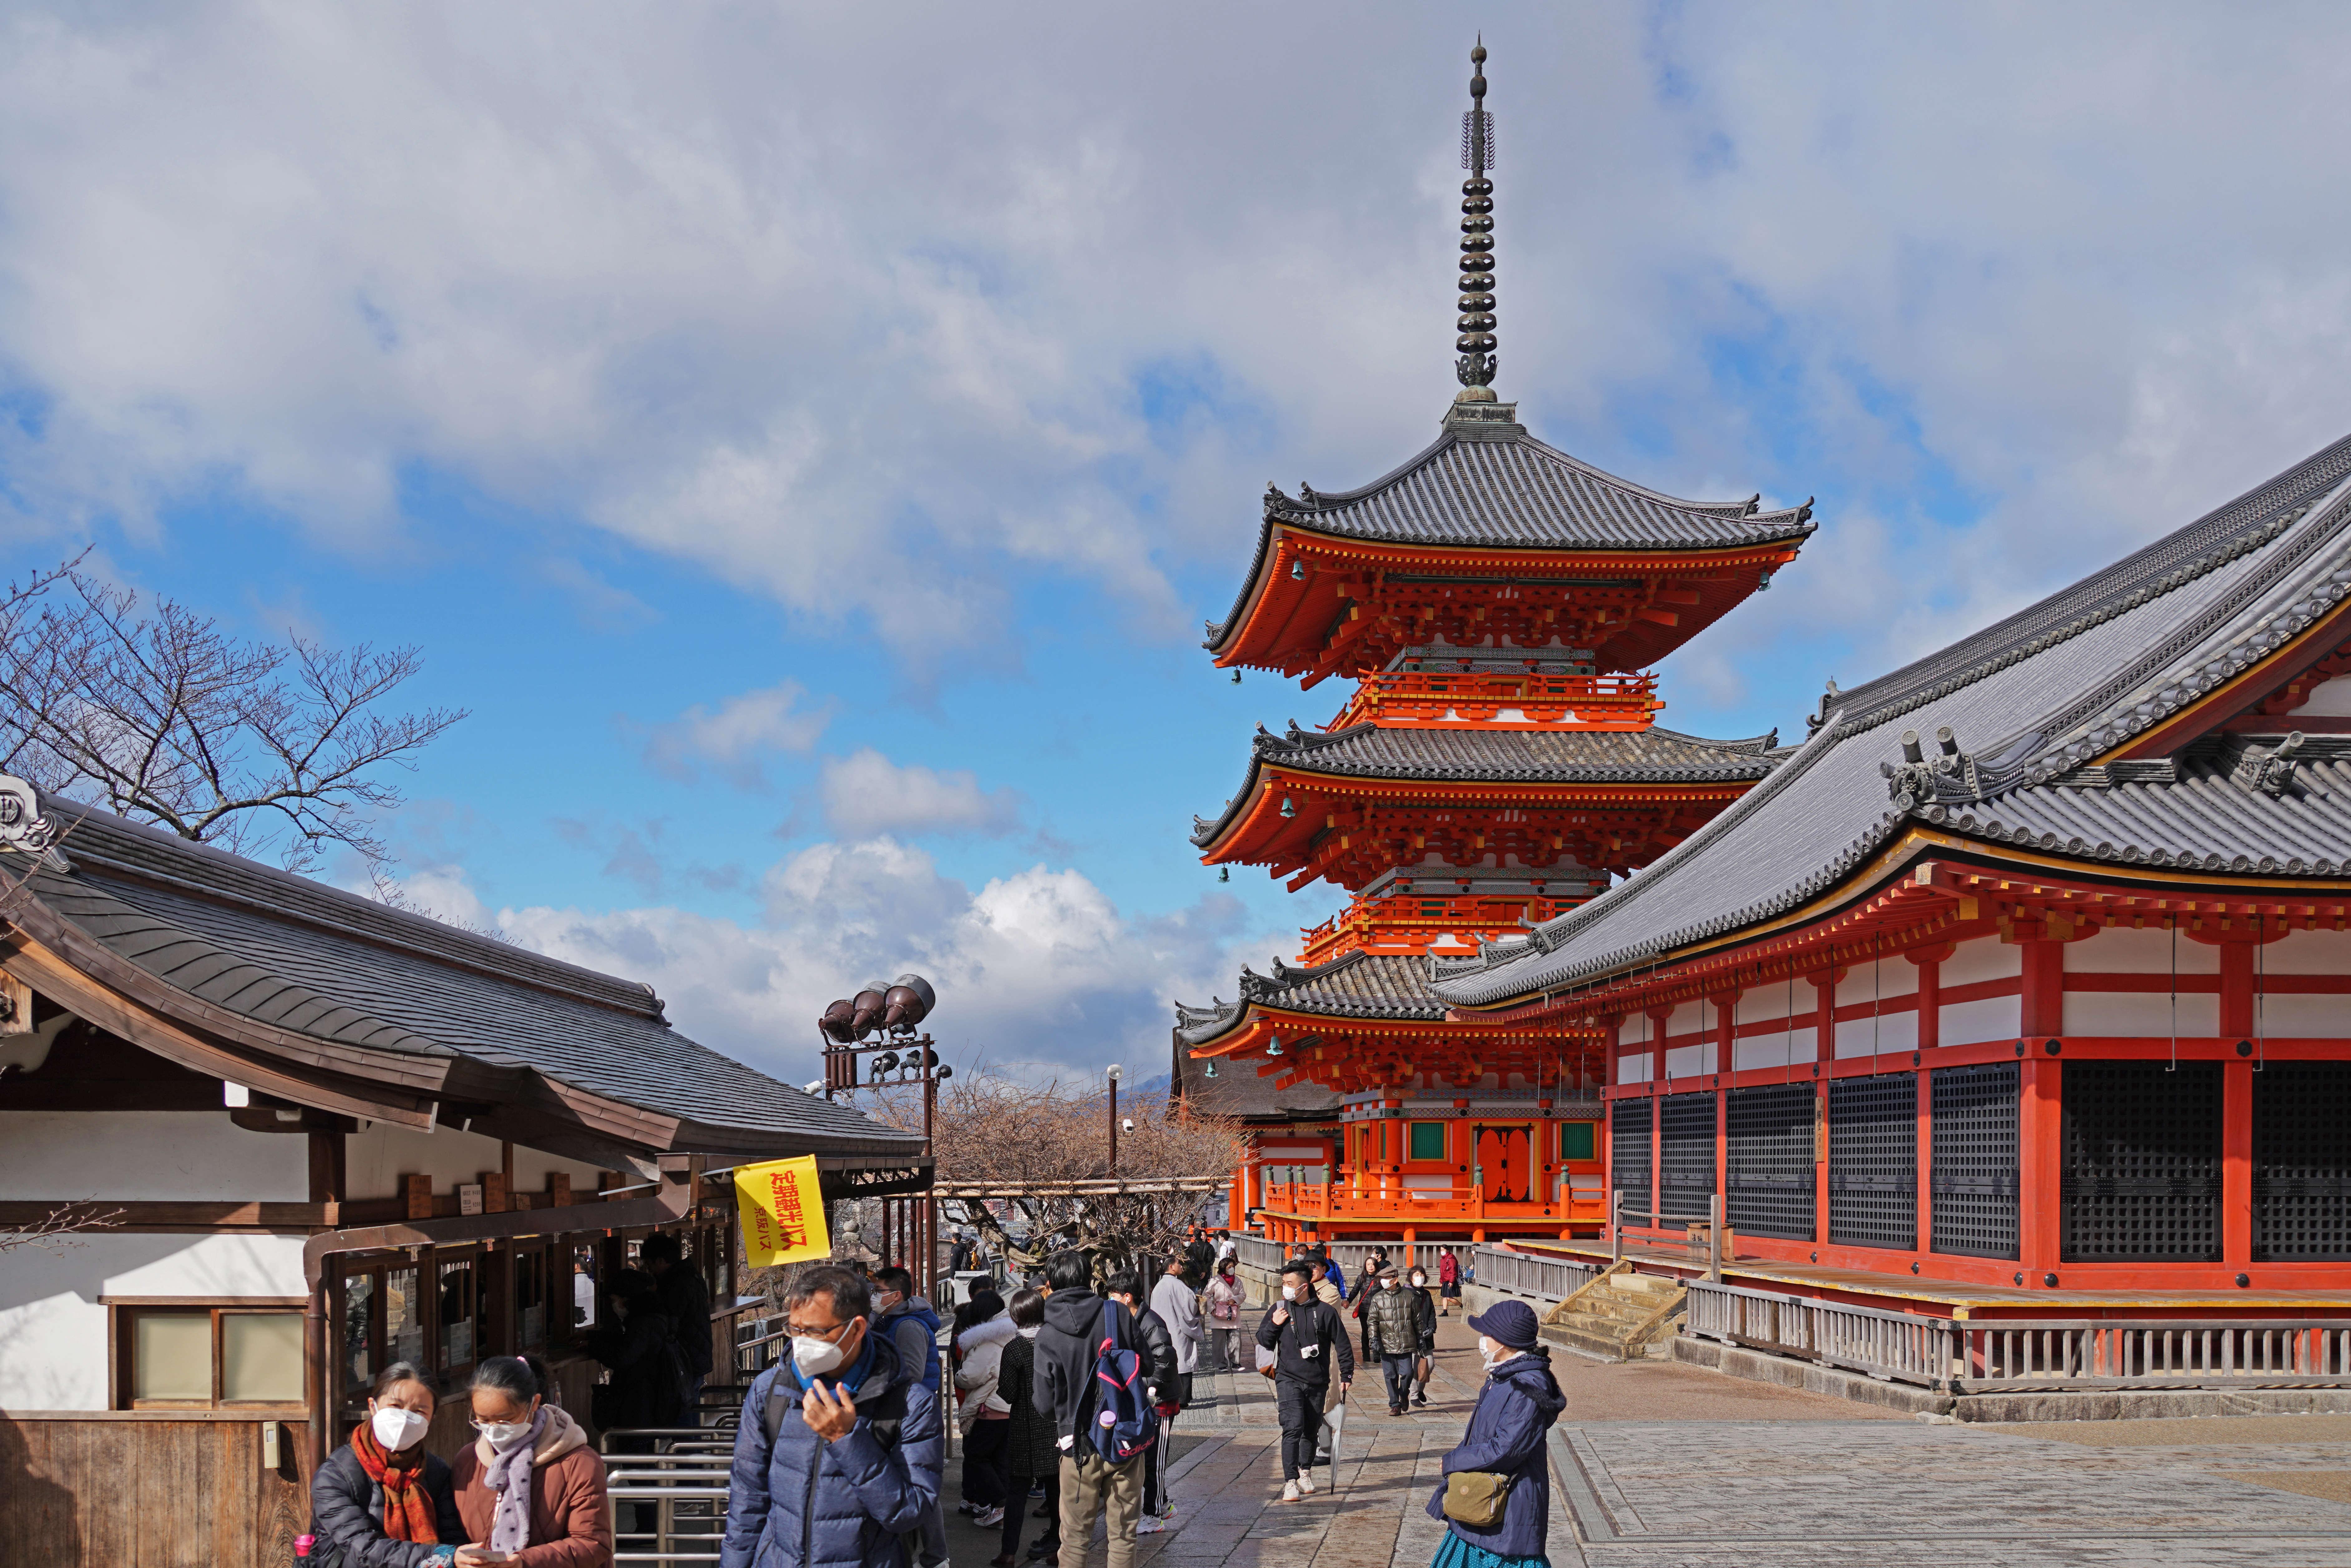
(61, 1228)
(1023, 1140)
(258, 747)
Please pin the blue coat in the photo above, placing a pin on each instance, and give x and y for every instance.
(801, 1503)
(1515, 1411)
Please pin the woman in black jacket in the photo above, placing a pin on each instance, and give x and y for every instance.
(1029, 1451)
(380, 1500)
(648, 1383)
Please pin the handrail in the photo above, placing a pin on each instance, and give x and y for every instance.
(1986, 1354)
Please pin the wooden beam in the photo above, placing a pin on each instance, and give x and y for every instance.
(144, 1215)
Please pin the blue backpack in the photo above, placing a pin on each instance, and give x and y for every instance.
(1124, 1422)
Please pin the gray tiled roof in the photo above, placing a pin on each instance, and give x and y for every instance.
(2070, 678)
(1502, 755)
(314, 960)
(1239, 1091)
(1355, 985)
(1517, 494)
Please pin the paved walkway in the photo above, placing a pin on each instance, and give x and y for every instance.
(1662, 1466)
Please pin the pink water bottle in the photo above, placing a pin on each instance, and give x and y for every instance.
(302, 1545)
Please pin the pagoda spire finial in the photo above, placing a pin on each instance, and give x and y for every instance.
(1476, 342)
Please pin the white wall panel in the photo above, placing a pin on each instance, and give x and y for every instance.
(186, 1157)
(1984, 958)
(2140, 1013)
(53, 1330)
(1989, 1017)
(1684, 1059)
(1776, 1049)
(375, 1160)
(2120, 950)
(2323, 1017)
(2309, 953)
(1893, 976)
(1894, 1032)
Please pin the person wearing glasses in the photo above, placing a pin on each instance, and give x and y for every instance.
(530, 1492)
(839, 1453)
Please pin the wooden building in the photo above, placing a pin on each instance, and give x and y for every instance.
(1495, 603)
(2029, 971)
(328, 1135)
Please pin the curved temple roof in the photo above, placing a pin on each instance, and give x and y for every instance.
(295, 956)
(1537, 757)
(2046, 710)
(1356, 984)
(1514, 493)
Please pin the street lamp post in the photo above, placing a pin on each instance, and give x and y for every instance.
(1114, 1074)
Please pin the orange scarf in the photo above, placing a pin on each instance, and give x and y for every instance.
(407, 1511)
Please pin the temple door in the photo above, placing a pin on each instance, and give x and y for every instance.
(1504, 1162)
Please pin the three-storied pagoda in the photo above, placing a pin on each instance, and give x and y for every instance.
(1498, 604)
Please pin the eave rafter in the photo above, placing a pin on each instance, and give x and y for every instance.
(1348, 830)
(1323, 604)
(1914, 903)
(1350, 1055)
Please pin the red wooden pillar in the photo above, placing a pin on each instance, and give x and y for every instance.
(1824, 1061)
(1657, 1114)
(2236, 1106)
(1930, 1032)
(2040, 1121)
(1726, 1060)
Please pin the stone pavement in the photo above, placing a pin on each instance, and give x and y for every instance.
(1662, 1466)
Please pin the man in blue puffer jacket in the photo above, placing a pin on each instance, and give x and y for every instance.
(839, 1453)
(1505, 1436)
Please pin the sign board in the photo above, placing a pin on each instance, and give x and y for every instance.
(782, 1212)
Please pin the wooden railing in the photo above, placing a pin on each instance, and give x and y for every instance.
(1529, 1274)
(2291, 1352)
(1459, 1202)
(1992, 1355)
(1896, 1346)
(1481, 697)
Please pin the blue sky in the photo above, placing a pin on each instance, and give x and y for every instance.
(808, 441)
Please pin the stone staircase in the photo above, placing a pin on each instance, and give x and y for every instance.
(1617, 1316)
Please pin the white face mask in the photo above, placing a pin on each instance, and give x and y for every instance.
(1289, 1293)
(505, 1434)
(396, 1429)
(816, 1356)
(1387, 1284)
(1489, 1353)
(1418, 1281)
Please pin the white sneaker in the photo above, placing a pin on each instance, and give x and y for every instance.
(988, 1518)
(1306, 1486)
(1150, 1524)
(1290, 1491)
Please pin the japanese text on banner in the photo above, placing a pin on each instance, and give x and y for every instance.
(782, 1213)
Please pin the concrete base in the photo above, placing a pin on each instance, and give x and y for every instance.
(2102, 1404)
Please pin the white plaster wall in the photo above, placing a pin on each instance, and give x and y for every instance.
(1777, 1049)
(2328, 699)
(2143, 1013)
(1769, 1003)
(2120, 950)
(1633, 1068)
(1893, 976)
(186, 1157)
(53, 1330)
(2325, 1017)
(1984, 958)
(376, 1159)
(1684, 1059)
(1990, 1017)
(2304, 952)
(1888, 1032)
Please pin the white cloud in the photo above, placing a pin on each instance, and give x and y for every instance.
(739, 734)
(1037, 972)
(866, 794)
(1061, 297)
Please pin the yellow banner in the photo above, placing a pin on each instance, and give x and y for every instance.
(783, 1217)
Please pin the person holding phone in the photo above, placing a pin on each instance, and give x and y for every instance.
(530, 1492)
(380, 1500)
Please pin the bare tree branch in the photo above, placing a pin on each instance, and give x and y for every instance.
(61, 1228)
(170, 720)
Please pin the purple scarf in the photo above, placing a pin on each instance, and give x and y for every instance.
(509, 1477)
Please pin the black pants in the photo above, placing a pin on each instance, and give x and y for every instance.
(983, 1463)
(1398, 1369)
(1016, 1505)
(1300, 1406)
(1155, 1458)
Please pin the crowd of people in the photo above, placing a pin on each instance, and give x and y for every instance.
(1065, 1395)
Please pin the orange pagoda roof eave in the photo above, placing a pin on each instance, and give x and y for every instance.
(1261, 636)
(1250, 837)
(1911, 887)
